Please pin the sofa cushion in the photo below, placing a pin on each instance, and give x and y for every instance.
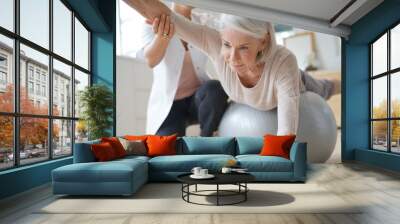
(185, 163)
(257, 163)
(207, 145)
(249, 145)
(111, 171)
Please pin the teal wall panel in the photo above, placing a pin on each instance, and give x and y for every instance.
(355, 96)
(24, 178)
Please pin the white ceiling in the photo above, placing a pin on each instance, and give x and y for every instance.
(321, 9)
(313, 15)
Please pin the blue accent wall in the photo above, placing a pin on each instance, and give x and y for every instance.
(356, 101)
(100, 17)
(24, 178)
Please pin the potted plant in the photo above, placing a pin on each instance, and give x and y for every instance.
(96, 102)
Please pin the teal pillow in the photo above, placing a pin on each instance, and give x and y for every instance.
(249, 145)
(208, 145)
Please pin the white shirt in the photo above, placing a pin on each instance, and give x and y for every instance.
(166, 77)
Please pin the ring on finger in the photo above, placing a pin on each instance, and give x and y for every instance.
(165, 35)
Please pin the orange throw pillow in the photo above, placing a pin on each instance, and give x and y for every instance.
(116, 145)
(103, 152)
(161, 145)
(277, 145)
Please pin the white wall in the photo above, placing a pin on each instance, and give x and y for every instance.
(134, 81)
(328, 52)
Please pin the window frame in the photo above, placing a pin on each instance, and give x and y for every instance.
(16, 114)
(388, 74)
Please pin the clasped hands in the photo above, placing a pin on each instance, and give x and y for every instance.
(163, 28)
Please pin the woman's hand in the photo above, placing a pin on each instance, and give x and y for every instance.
(163, 29)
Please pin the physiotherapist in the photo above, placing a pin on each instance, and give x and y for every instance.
(182, 93)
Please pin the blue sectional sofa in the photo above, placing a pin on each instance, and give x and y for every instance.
(125, 176)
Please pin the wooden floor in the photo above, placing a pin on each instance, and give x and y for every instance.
(378, 189)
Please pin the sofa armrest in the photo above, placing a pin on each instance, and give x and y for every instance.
(83, 152)
(298, 155)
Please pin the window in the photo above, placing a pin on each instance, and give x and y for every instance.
(54, 126)
(385, 94)
(3, 78)
(43, 90)
(7, 14)
(62, 74)
(3, 72)
(3, 61)
(62, 29)
(30, 72)
(81, 45)
(43, 77)
(34, 21)
(30, 87)
(6, 73)
(7, 142)
(37, 74)
(38, 89)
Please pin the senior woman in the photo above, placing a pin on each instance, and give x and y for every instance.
(251, 67)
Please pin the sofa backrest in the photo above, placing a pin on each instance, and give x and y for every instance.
(249, 145)
(83, 152)
(206, 145)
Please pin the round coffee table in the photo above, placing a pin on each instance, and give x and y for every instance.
(238, 179)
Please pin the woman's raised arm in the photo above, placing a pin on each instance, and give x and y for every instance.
(149, 9)
(202, 37)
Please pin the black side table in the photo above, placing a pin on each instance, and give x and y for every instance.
(238, 179)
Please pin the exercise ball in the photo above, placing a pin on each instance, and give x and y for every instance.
(317, 125)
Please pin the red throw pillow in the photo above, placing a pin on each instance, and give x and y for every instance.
(277, 145)
(161, 145)
(103, 151)
(116, 145)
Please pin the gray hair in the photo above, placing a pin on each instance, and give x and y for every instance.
(253, 27)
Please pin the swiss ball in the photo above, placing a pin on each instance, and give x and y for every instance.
(317, 125)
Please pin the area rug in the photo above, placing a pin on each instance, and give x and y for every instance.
(166, 198)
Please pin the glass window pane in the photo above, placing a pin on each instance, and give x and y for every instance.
(395, 47)
(379, 55)
(34, 97)
(379, 97)
(395, 136)
(7, 14)
(379, 135)
(33, 139)
(62, 138)
(81, 81)
(395, 94)
(81, 131)
(6, 74)
(81, 45)
(35, 21)
(6, 142)
(62, 89)
(62, 29)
